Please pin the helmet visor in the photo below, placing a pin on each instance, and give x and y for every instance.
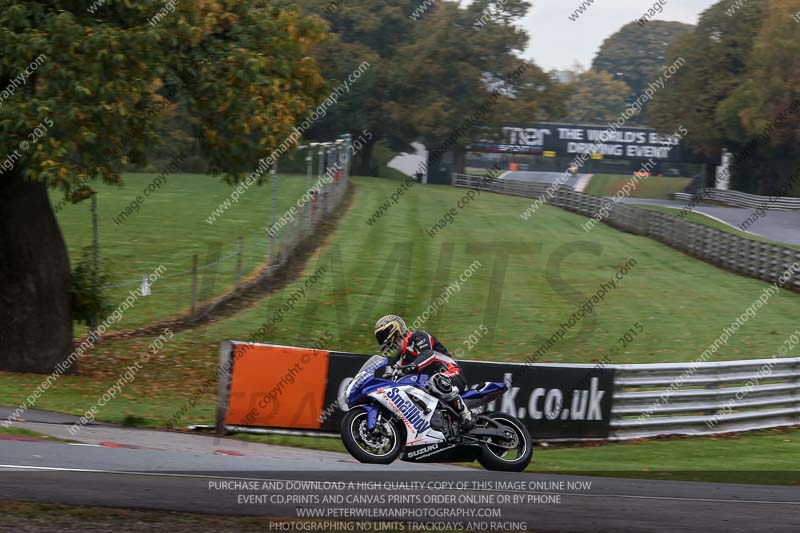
(386, 336)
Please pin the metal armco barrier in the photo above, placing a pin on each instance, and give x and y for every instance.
(527, 189)
(300, 389)
(748, 257)
(705, 398)
(743, 199)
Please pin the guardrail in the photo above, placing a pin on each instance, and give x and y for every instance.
(704, 398)
(748, 257)
(528, 189)
(743, 199)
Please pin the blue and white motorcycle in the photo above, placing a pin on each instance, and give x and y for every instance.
(390, 412)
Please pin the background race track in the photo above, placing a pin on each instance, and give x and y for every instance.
(781, 226)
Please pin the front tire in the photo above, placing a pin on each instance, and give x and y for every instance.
(380, 446)
(508, 455)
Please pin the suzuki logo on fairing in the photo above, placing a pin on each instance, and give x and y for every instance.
(408, 410)
(426, 449)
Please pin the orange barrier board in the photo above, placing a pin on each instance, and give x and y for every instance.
(277, 386)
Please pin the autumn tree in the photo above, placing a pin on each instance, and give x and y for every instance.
(371, 32)
(451, 57)
(737, 91)
(536, 96)
(762, 114)
(456, 77)
(91, 106)
(596, 98)
(637, 52)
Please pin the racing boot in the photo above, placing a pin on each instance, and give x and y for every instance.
(467, 418)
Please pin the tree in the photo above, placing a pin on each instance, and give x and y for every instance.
(715, 54)
(454, 78)
(537, 96)
(363, 30)
(596, 98)
(763, 112)
(737, 91)
(359, 109)
(471, 47)
(92, 105)
(637, 52)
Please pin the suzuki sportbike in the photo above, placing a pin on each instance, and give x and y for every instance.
(391, 413)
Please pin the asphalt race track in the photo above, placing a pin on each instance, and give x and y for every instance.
(781, 226)
(196, 473)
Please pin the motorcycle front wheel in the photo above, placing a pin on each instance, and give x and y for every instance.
(510, 454)
(381, 445)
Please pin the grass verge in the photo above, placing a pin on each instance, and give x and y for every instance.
(530, 277)
(766, 457)
(26, 433)
(763, 457)
(24, 517)
(652, 187)
(167, 228)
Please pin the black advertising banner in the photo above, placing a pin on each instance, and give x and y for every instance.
(554, 402)
(342, 368)
(601, 141)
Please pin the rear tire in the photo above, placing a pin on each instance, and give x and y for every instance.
(492, 457)
(354, 430)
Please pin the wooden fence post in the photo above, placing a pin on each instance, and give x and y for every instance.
(194, 284)
(239, 252)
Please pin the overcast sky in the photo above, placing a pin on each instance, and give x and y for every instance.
(557, 42)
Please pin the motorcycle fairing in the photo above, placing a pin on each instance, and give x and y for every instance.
(484, 393)
(414, 407)
(442, 452)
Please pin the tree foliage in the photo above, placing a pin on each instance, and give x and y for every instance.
(739, 90)
(239, 72)
(596, 98)
(243, 71)
(459, 81)
(772, 84)
(637, 53)
(361, 31)
(429, 75)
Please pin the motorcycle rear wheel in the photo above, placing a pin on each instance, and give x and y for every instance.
(502, 458)
(380, 446)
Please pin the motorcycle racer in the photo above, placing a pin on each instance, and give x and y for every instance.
(420, 352)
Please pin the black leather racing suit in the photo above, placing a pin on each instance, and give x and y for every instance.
(431, 357)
